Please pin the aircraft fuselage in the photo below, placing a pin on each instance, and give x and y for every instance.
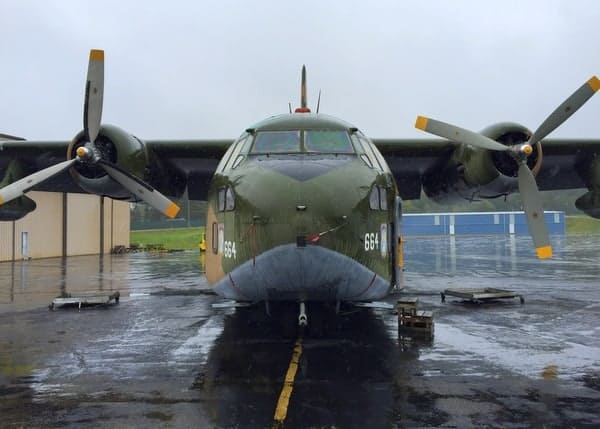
(302, 208)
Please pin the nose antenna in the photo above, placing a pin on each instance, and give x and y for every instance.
(303, 104)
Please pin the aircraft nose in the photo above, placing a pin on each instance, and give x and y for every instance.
(299, 235)
(299, 216)
(305, 200)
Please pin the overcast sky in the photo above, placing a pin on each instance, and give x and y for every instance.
(200, 69)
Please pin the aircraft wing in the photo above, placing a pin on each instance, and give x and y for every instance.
(194, 160)
(186, 160)
(105, 160)
(20, 158)
(566, 163)
(475, 166)
(411, 159)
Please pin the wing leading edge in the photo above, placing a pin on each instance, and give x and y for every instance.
(185, 160)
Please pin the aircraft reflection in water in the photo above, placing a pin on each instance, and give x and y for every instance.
(352, 379)
(303, 207)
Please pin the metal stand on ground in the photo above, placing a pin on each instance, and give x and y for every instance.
(412, 321)
(85, 299)
(481, 295)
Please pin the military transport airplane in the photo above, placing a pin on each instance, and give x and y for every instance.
(304, 207)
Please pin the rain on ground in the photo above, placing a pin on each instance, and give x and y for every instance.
(163, 357)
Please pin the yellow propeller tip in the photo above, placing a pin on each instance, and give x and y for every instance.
(421, 123)
(96, 55)
(594, 83)
(1, 201)
(544, 252)
(172, 210)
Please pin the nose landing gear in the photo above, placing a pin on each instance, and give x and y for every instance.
(302, 317)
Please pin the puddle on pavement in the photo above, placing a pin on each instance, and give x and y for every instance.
(34, 283)
(164, 346)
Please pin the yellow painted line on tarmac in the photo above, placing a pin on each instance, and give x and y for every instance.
(288, 386)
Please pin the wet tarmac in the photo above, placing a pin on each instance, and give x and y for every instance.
(164, 357)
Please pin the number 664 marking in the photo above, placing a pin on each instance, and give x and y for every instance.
(371, 241)
(229, 249)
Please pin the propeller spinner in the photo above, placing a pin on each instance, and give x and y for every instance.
(92, 117)
(532, 201)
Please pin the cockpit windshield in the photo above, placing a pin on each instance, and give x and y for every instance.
(305, 141)
(277, 142)
(327, 142)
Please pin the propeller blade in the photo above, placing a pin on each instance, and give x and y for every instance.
(457, 134)
(94, 95)
(566, 109)
(141, 190)
(532, 203)
(18, 188)
(92, 116)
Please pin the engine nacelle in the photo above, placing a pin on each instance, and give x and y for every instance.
(510, 134)
(473, 173)
(117, 147)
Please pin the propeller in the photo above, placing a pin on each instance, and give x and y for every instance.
(532, 201)
(94, 95)
(18, 188)
(141, 189)
(92, 117)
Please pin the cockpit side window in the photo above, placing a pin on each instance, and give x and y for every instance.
(327, 142)
(277, 142)
(374, 198)
(237, 156)
(370, 151)
(226, 157)
(378, 198)
(361, 151)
